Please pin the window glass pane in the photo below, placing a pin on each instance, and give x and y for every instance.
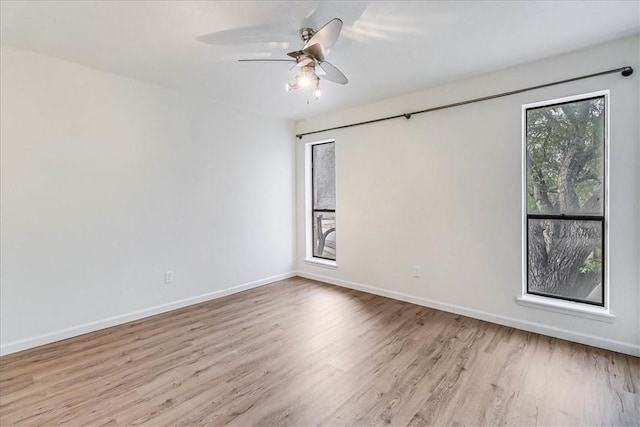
(565, 158)
(324, 235)
(324, 176)
(565, 259)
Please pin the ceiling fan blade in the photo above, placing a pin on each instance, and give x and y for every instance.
(295, 53)
(266, 60)
(332, 74)
(275, 35)
(326, 36)
(315, 51)
(323, 11)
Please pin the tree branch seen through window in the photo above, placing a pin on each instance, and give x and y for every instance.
(565, 200)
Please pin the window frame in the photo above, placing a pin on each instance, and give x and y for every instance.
(556, 302)
(310, 208)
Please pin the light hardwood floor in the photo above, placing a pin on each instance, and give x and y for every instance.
(299, 352)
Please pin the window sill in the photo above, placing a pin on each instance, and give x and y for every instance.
(567, 307)
(321, 263)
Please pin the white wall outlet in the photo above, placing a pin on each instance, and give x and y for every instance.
(168, 277)
(416, 271)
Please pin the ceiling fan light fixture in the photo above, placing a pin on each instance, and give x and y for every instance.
(307, 75)
(304, 81)
(295, 84)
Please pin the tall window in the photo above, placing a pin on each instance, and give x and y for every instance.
(323, 190)
(565, 209)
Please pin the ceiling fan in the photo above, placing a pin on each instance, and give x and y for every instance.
(311, 59)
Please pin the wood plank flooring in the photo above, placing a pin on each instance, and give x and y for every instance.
(300, 353)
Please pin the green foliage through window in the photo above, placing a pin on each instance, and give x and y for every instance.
(565, 146)
(323, 178)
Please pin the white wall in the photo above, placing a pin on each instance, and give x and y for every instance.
(443, 191)
(108, 182)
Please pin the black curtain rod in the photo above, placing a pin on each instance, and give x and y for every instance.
(625, 71)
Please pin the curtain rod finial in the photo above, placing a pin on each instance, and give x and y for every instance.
(627, 71)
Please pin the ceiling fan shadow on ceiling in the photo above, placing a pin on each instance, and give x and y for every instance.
(311, 59)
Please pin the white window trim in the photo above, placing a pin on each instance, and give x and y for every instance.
(308, 202)
(554, 304)
(320, 262)
(577, 309)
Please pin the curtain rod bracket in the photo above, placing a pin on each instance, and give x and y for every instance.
(627, 71)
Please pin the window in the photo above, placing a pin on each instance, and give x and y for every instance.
(565, 198)
(323, 201)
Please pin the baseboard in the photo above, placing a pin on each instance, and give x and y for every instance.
(15, 346)
(595, 341)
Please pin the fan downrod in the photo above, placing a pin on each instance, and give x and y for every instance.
(306, 34)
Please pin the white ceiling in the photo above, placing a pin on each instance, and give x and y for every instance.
(386, 47)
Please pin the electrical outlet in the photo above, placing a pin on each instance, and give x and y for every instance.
(168, 277)
(416, 271)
